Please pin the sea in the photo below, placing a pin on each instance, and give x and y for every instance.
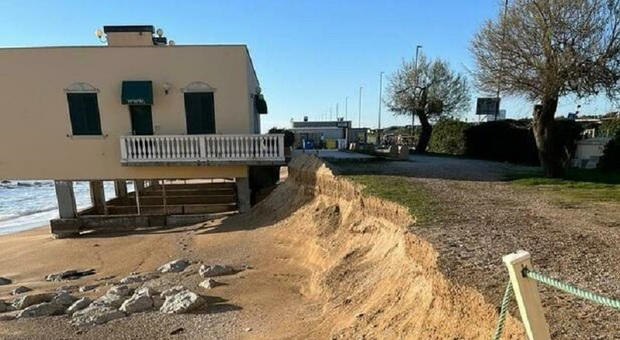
(29, 204)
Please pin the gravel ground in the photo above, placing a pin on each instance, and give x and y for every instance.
(483, 219)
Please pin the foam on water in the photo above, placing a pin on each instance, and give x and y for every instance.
(30, 204)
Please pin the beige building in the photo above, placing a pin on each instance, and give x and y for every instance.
(138, 108)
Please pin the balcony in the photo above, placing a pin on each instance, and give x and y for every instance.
(250, 149)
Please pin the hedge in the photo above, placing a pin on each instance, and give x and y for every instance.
(448, 137)
(505, 141)
(611, 154)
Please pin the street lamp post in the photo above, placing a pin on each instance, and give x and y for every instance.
(359, 113)
(380, 98)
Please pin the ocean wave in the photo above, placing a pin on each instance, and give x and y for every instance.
(8, 217)
(26, 212)
(33, 203)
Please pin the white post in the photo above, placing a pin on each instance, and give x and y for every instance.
(202, 153)
(123, 149)
(281, 146)
(526, 294)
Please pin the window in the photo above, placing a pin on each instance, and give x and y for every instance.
(84, 113)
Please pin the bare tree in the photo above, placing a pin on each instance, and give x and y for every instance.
(545, 49)
(428, 91)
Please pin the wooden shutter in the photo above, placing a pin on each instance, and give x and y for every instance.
(200, 112)
(84, 114)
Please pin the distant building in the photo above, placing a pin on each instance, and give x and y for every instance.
(335, 134)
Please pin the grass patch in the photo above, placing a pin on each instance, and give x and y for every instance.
(579, 185)
(400, 190)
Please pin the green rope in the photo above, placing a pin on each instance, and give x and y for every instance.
(504, 309)
(582, 293)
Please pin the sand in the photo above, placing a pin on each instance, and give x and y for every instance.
(321, 261)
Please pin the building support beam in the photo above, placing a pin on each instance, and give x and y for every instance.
(243, 194)
(163, 191)
(66, 199)
(137, 191)
(120, 188)
(139, 185)
(97, 196)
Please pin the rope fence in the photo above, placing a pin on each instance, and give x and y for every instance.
(582, 293)
(523, 284)
(503, 311)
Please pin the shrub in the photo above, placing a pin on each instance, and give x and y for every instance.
(610, 127)
(448, 137)
(611, 154)
(289, 136)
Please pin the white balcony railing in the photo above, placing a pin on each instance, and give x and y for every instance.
(207, 149)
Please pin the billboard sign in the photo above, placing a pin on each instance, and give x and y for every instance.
(487, 106)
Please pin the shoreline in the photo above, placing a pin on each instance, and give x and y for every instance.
(12, 231)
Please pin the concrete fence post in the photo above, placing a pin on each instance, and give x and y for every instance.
(526, 294)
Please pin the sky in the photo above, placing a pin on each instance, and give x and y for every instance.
(310, 56)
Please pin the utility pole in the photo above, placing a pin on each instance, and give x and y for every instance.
(380, 102)
(337, 111)
(346, 107)
(417, 77)
(359, 119)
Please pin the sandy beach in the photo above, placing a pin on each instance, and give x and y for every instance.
(318, 259)
(31, 255)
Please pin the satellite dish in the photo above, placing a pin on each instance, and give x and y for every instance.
(159, 32)
(171, 43)
(99, 33)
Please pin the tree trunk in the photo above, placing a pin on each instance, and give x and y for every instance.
(550, 152)
(425, 134)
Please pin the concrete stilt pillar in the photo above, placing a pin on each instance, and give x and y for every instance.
(243, 194)
(66, 199)
(97, 196)
(120, 188)
(139, 184)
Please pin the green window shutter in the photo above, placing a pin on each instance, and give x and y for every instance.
(84, 114)
(200, 112)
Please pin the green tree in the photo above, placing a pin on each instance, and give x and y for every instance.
(546, 49)
(429, 91)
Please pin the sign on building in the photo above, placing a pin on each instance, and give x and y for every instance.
(487, 106)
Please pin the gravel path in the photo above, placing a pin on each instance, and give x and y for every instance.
(579, 245)
(483, 219)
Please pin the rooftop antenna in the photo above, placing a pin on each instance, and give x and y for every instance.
(100, 33)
